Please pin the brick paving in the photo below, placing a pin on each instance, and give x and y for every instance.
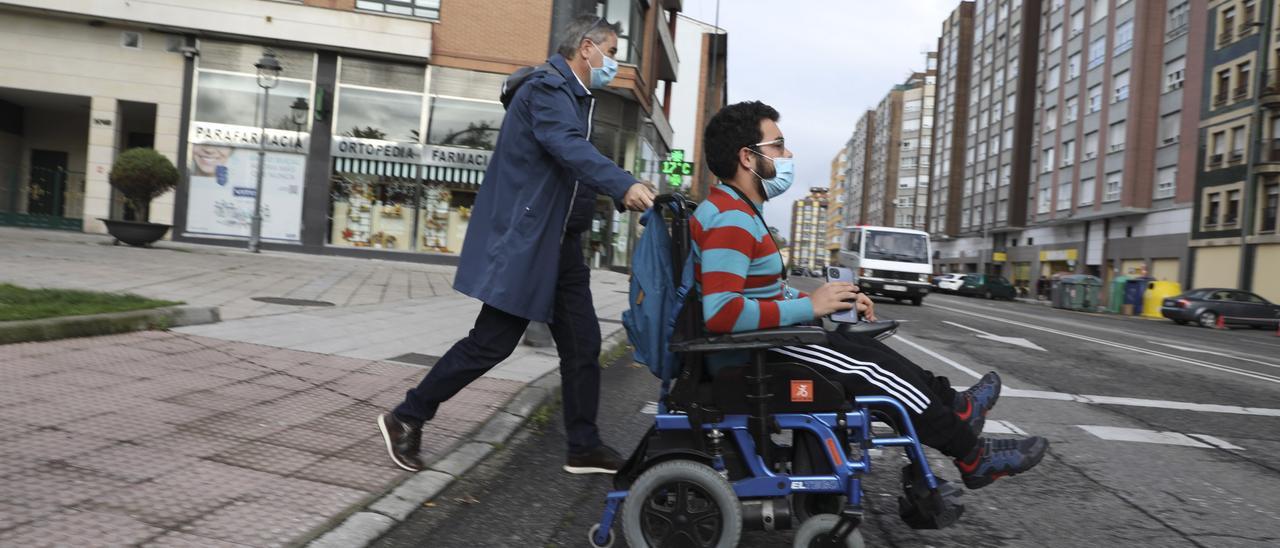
(210, 449)
(257, 431)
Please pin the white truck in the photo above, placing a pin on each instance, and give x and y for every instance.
(890, 262)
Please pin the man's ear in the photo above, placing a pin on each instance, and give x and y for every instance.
(744, 158)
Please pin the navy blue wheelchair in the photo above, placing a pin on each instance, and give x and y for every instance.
(718, 460)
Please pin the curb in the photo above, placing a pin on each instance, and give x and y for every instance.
(367, 525)
(48, 329)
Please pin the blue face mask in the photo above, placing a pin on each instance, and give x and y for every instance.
(784, 175)
(601, 76)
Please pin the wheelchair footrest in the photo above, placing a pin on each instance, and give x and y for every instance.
(921, 508)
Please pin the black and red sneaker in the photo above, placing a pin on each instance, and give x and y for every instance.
(973, 404)
(993, 459)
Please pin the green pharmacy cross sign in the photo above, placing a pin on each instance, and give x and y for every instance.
(675, 168)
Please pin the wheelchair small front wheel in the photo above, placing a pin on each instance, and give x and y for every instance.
(682, 503)
(591, 537)
(815, 530)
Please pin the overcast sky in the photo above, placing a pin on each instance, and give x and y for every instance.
(821, 63)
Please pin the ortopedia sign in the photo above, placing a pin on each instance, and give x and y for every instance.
(410, 153)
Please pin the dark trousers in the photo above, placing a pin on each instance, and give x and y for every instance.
(865, 366)
(576, 332)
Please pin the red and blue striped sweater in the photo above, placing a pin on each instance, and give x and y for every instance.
(738, 269)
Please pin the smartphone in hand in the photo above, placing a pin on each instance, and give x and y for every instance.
(841, 274)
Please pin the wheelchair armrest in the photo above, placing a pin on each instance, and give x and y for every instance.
(753, 340)
(877, 330)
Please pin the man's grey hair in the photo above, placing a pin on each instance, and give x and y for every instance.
(586, 26)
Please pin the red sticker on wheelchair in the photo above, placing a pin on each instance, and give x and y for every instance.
(802, 391)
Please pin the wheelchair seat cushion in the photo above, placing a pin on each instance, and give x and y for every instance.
(796, 388)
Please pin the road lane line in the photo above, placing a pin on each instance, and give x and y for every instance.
(939, 357)
(978, 331)
(1138, 402)
(1114, 433)
(1216, 442)
(1212, 353)
(1174, 357)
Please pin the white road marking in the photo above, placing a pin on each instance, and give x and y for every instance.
(1137, 402)
(939, 357)
(1212, 353)
(1002, 427)
(1016, 341)
(1158, 354)
(1115, 433)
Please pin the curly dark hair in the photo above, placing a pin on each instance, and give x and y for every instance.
(734, 127)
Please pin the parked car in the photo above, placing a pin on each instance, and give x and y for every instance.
(799, 271)
(1235, 307)
(948, 282)
(991, 287)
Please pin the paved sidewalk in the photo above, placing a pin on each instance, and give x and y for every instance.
(258, 431)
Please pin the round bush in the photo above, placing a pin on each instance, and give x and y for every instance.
(141, 174)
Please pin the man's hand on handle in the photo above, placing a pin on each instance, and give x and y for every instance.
(639, 197)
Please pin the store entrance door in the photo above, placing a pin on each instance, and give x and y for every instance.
(48, 181)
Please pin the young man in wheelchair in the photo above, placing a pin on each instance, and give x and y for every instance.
(739, 275)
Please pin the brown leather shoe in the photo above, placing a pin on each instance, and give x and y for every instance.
(403, 440)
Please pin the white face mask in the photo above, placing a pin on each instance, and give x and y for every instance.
(783, 176)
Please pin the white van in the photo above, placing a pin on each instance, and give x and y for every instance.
(891, 262)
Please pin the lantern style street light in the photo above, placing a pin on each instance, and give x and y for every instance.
(268, 76)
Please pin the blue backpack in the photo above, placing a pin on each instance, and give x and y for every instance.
(656, 297)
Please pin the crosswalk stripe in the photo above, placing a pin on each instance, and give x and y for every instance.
(1115, 433)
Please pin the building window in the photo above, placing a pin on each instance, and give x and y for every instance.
(1050, 119)
(1043, 205)
(1242, 81)
(1046, 160)
(1170, 127)
(629, 14)
(1174, 72)
(426, 9)
(1090, 145)
(1217, 148)
(1249, 8)
(1116, 137)
(1068, 153)
(1165, 179)
(1113, 188)
(1064, 195)
(1097, 51)
(1237, 145)
(1095, 98)
(1270, 203)
(1051, 79)
(1121, 82)
(1228, 25)
(1007, 139)
(1073, 66)
(1086, 192)
(1099, 10)
(1213, 210)
(1178, 19)
(1124, 37)
(1072, 110)
(1232, 215)
(1055, 38)
(1077, 23)
(1223, 84)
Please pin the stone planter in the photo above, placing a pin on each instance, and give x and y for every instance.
(134, 233)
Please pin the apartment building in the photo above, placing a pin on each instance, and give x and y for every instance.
(1108, 166)
(809, 230)
(835, 204)
(896, 191)
(1234, 241)
(702, 91)
(858, 169)
(379, 125)
(992, 130)
(951, 111)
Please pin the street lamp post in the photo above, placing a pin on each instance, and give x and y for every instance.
(299, 110)
(268, 76)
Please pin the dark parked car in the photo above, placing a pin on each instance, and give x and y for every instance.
(991, 287)
(1235, 307)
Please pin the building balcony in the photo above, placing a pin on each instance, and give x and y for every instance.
(1236, 158)
(1220, 99)
(1271, 92)
(1269, 158)
(1240, 92)
(1215, 161)
(668, 61)
(1226, 37)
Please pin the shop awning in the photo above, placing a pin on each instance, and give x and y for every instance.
(375, 167)
(455, 177)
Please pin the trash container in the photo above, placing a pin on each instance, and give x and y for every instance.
(1056, 294)
(1134, 288)
(1115, 295)
(1157, 291)
(1079, 292)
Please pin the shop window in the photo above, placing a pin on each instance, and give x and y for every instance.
(378, 114)
(464, 123)
(233, 99)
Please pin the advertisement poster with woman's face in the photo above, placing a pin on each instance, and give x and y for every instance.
(222, 186)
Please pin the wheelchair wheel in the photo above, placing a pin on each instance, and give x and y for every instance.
(811, 459)
(813, 533)
(681, 503)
